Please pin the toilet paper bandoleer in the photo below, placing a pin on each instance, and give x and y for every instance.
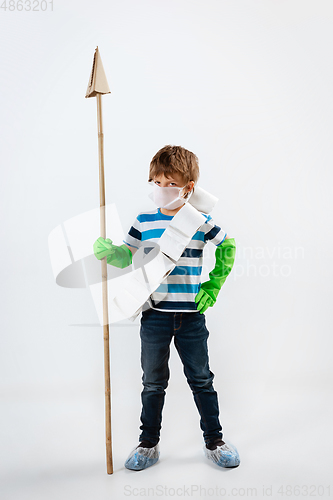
(181, 227)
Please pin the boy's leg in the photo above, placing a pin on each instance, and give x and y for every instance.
(191, 343)
(156, 334)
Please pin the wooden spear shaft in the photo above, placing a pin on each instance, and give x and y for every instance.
(109, 463)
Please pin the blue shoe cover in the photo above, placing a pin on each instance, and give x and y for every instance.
(224, 456)
(142, 458)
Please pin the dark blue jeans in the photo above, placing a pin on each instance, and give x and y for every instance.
(190, 338)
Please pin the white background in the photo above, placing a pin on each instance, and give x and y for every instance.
(247, 86)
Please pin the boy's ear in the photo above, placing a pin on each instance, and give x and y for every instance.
(190, 185)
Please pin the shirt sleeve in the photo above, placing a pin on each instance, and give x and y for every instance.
(213, 233)
(133, 238)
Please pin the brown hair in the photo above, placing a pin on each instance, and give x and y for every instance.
(175, 159)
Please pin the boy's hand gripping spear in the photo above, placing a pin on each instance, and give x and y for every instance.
(97, 86)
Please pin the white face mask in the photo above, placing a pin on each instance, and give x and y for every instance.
(168, 197)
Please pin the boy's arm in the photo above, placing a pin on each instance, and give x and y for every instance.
(131, 249)
(224, 260)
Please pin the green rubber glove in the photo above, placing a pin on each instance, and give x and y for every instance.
(116, 256)
(209, 290)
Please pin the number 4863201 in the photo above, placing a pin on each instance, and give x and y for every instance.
(27, 5)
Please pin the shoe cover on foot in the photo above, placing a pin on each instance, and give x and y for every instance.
(142, 458)
(224, 456)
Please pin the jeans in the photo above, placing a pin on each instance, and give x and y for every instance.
(190, 339)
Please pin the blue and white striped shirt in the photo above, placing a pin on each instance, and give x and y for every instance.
(177, 292)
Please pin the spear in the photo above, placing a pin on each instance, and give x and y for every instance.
(97, 86)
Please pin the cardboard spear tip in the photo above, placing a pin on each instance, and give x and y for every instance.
(98, 83)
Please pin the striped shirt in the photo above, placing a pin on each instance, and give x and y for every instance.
(177, 292)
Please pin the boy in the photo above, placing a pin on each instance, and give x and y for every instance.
(176, 309)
